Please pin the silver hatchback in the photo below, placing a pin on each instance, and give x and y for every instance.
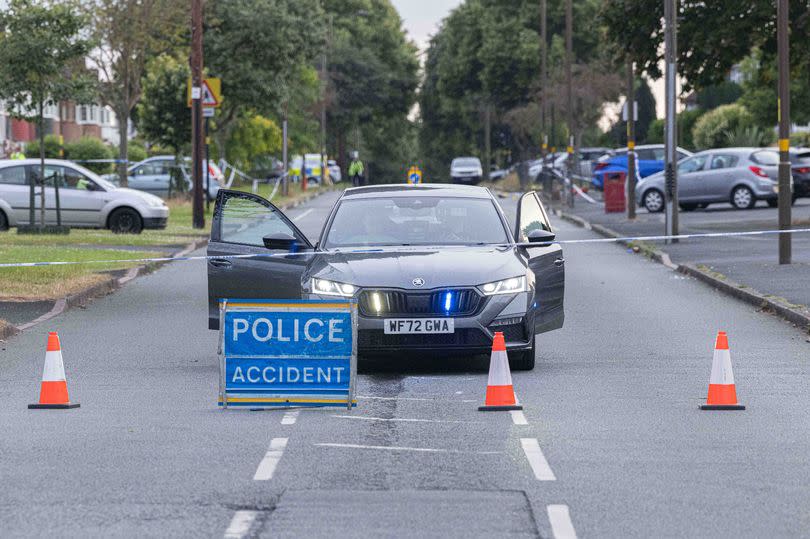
(739, 176)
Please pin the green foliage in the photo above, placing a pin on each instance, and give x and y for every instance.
(710, 131)
(646, 114)
(136, 151)
(723, 93)
(686, 126)
(51, 148)
(252, 138)
(759, 90)
(655, 132)
(90, 148)
(164, 117)
(749, 136)
(800, 139)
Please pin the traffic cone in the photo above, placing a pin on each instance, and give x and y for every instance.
(722, 391)
(53, 392)
(500, 394)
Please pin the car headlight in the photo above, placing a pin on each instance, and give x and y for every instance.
(331, 288)
(506, 286)
(155, 202)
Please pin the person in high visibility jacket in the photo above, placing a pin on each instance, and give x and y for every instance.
(17, 154)
(356, 170)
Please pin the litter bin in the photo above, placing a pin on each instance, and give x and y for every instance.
(614, 194)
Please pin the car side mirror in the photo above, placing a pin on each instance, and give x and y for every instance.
(541, 236)
(279, 241)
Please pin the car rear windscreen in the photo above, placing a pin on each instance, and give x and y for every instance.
(466, 162)
(415, 221)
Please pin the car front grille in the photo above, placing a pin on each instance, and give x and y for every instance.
(464, 337)
(396, 303)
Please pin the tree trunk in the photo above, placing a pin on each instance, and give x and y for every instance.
(123, 150)
(487, 141)
(42, 162)
(341, 153)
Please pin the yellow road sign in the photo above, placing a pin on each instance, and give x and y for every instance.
(211, 92)
(414, 175)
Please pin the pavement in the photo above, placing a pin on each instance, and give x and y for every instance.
(752, 261)
(610, 443)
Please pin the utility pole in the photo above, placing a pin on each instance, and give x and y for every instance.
(631, 141)
(569, 53)
(671, 163)
(785, 195)
(543, 80)
(487, 140)
(285, 180)
(198, 217)
(324, 92)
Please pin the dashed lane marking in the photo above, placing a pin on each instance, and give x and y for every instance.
(240, 525)
(302, 215)
(560, 519)
(267, 466)
(542, 471)
(400, 448)
(402, 419)
(518, 418)
(290, 416)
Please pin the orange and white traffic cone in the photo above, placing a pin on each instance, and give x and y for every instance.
(500, 393)
(53, 392)
(722, 391)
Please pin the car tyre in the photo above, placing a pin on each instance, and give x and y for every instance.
(126, 221)
(743, 198)
(522, 360)
(653, 200)
(3, 221)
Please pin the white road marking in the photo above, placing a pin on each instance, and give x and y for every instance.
(302, 215)
(560, 519)
(369, 397)
(240, 524)
(267, 466)
(402, 419)
(400, 448)
(289, 417)
(518, 418)
(542, 471)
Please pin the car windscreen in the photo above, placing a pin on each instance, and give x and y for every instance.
(466, 162)
(417, 220)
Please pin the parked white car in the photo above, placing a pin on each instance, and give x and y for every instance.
(466, 170)
(86, 200)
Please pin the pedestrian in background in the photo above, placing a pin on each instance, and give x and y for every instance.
(356, 170)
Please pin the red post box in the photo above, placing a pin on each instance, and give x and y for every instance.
(613, 183)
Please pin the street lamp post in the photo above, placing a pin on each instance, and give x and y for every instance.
(631, 142)
(785, 195)
(569, 53)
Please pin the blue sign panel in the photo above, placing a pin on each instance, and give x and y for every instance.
(290, 353)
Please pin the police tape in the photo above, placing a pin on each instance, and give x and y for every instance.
(407, 249)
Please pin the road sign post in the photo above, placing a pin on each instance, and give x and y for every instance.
(287, 353)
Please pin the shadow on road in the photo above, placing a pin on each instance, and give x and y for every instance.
(408, 364)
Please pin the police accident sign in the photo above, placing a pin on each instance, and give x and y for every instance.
(288, 353)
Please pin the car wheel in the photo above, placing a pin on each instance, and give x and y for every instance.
(654, 201)
(742, 198)
(3, 222)
(522, 360)
(688, 207)
(773, 202)
(126, 221)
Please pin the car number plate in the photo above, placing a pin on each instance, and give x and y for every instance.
(395, 326)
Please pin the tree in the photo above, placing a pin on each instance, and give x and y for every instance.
(129, 33)
(42, 52)
(257, 47)
(253, 137)
(163, 114)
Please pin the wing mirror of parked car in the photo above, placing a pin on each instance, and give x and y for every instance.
(280, 241)
(541, 236)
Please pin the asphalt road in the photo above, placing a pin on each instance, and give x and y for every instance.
(611, 442)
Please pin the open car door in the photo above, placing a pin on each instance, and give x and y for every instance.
(248, 224)
(546, 261)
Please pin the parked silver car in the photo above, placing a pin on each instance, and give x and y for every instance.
(740, 176)
(154, 175)
(86, 200)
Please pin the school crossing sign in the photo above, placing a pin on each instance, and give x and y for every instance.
(288, 353)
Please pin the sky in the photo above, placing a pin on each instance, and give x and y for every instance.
(422, 17)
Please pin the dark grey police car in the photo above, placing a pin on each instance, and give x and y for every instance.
(434, 268)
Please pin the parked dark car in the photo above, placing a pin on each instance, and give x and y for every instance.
(800, 167)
